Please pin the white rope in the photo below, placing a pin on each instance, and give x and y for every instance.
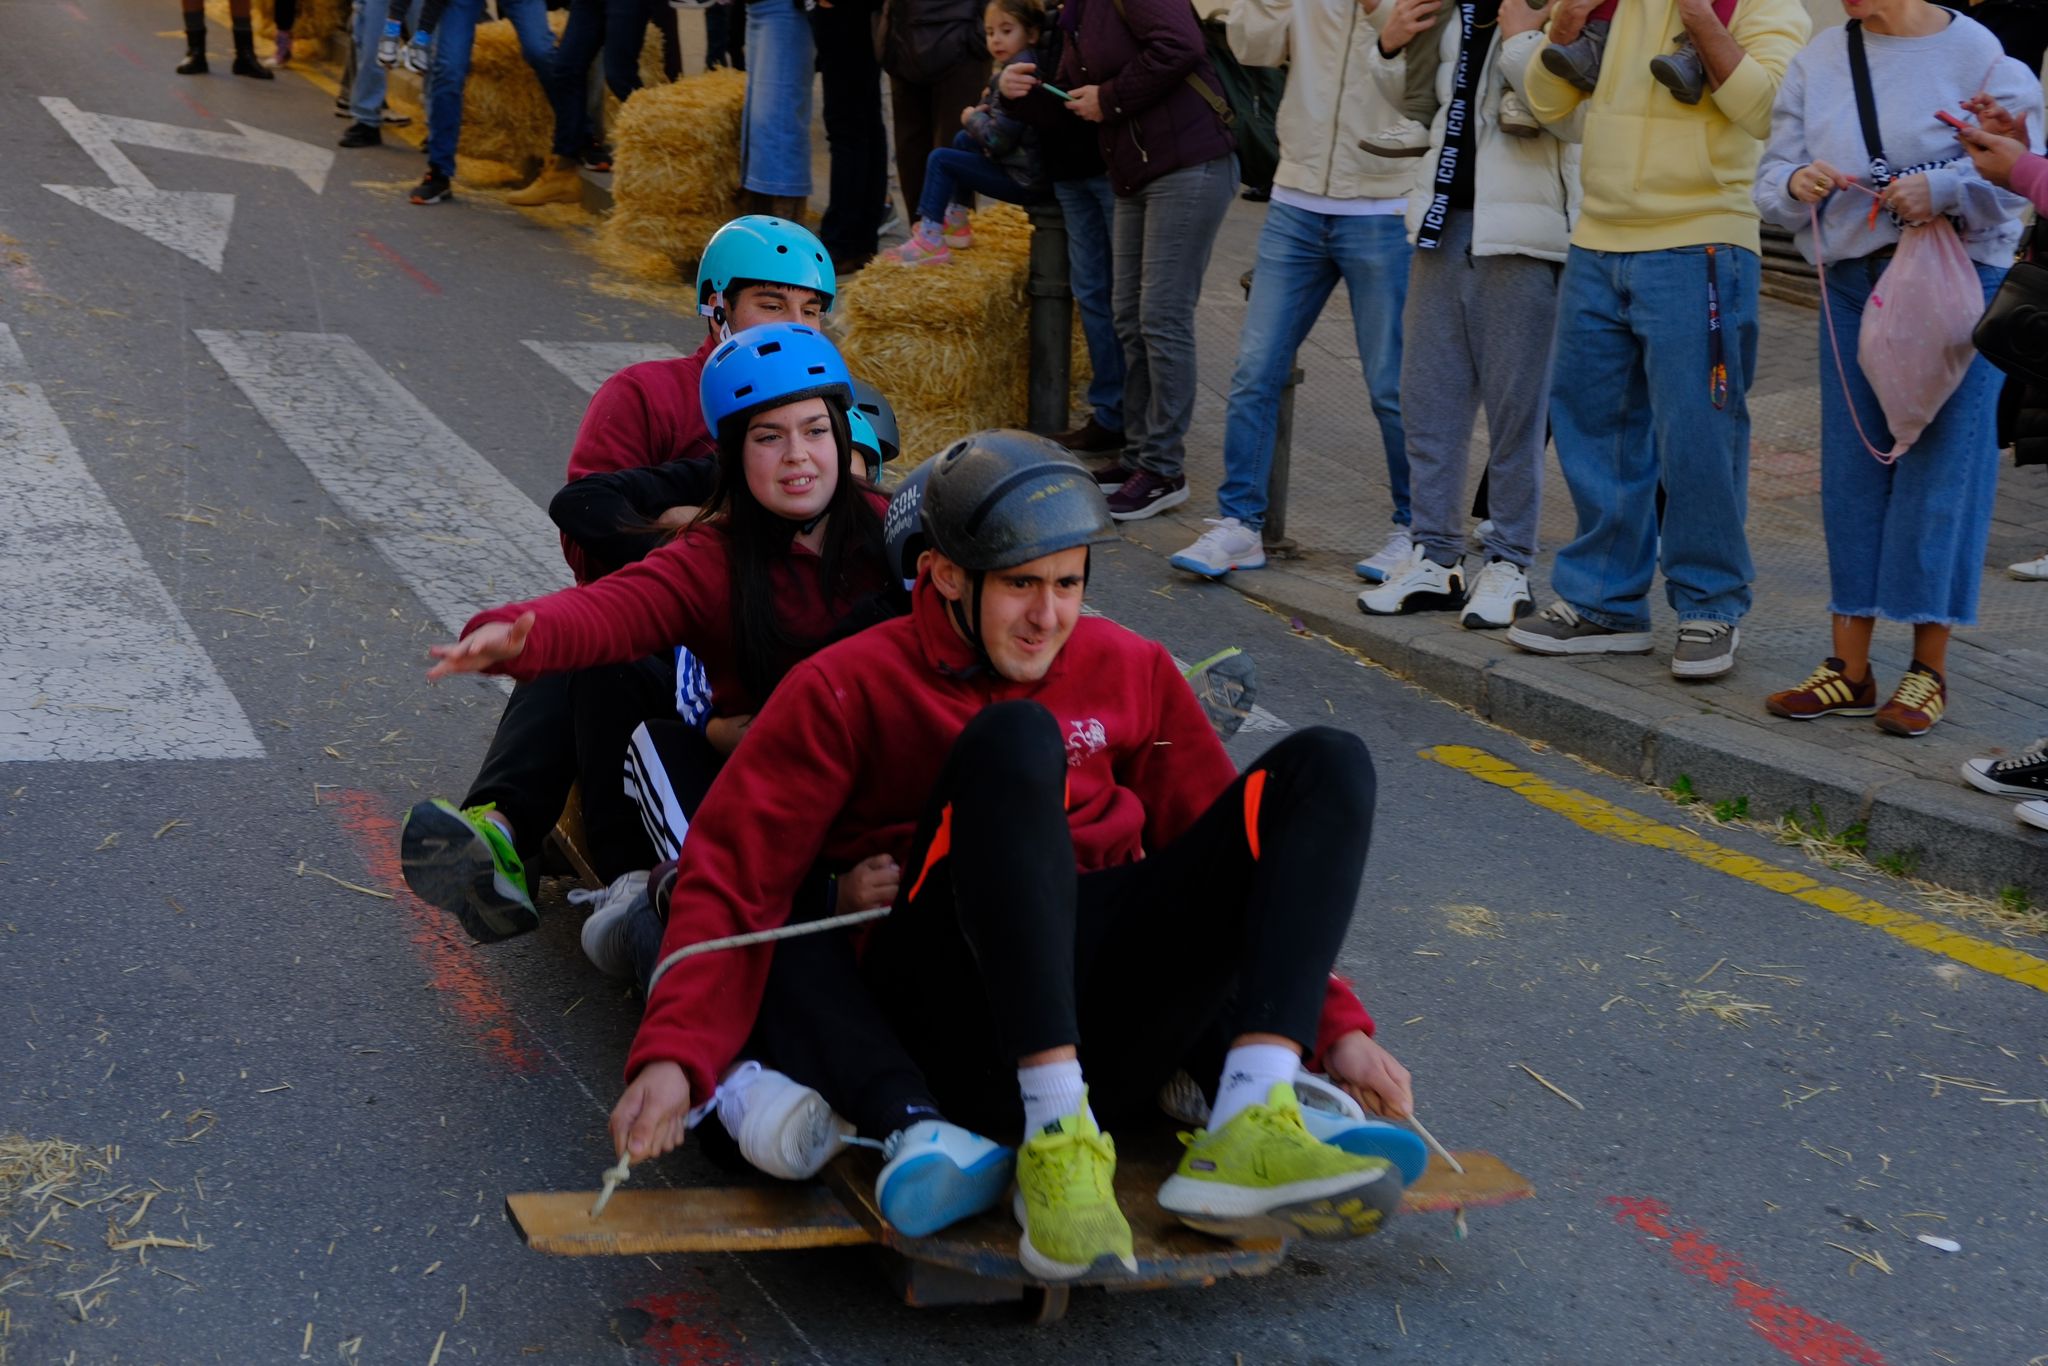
(741, 941)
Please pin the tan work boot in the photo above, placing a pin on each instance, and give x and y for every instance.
(560, 183)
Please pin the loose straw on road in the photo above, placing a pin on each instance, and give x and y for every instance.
(1552, 1086)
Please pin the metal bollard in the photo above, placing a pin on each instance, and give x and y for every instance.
(1052, 322)
(1274, 533)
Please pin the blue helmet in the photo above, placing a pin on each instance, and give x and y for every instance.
(881, 416)
(864, 439)
(771, 250)
(766, 367)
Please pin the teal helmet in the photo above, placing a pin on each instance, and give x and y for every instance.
(772, 251)
(865, 441)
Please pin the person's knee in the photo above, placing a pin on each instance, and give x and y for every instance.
(1011, 747)
(1331, 768)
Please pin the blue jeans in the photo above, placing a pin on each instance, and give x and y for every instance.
(619, 28)
(454, 36)
(366, 96)
(775, 130)
(1301, 257)
(1631, 406)
(952, 173)
(1906, 540)
(1089, 207)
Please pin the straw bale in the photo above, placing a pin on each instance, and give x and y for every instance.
(950, 344)
(505, 114)
(675, 172)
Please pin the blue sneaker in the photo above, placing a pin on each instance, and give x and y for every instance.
(1335, 1118)
(936, 1174)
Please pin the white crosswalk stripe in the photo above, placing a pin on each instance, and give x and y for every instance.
(589, 364)
(96, 661)
(460, 534)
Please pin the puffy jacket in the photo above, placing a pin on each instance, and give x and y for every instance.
(1525, 191)
(1332, 100)
(924, 39)
(1154, 122)
(1005, 138)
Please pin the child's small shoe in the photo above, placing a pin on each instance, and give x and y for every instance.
(418, 53)
(388, 45)
(1681, 71)
(1408, 138)
(284, 48)
(927, 246)
(1578, 62)
(1516, 118)
(958, 231)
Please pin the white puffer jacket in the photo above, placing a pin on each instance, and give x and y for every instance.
(1331, 101)
(1525, 191)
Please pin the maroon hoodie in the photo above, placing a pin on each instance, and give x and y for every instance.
(646, 414)
(841, 762)
(1153, 121)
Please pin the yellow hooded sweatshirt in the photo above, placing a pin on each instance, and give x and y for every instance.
(1659, 174)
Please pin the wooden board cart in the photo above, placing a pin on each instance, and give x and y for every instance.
(974, 1262)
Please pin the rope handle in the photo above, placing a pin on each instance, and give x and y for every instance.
(741, 941)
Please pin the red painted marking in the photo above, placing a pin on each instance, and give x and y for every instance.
(682, 1334)
(1805, 1337)
(76, 13)
(419, 277)
(449, 957)
(194, 105)
(129, 53)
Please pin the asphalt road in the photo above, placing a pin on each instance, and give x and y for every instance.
(221, 557)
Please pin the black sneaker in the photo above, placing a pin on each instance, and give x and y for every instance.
(1146, 494)
(362, 135)
(596, 157)
(433, 188)
(1113, 476)
(2023, 775)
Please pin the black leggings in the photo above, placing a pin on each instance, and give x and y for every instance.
(531, 764)
(998, 950)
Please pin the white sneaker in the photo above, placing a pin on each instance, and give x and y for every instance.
(1517, 120)
(784, 1129)
(2033, 813)
(2036, 570)
(1388, 558)
(604, 931)
(1500, 596)
(1404, 139)
(1421, 585)
(1228, 544)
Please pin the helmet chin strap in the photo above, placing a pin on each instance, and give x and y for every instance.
(968, 620)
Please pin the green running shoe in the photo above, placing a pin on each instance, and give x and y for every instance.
(1066, 1201)
(461, 861)
(1265, 1175)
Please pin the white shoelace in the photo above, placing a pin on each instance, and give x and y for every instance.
(1561, 612)
(2026, 758)
(1702, 632)
(1221, 528)
(1499, 578)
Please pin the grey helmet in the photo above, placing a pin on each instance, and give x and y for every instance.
(1002, 497)
(903, 524)
(881, 415)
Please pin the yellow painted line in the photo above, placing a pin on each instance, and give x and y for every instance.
(1605, 818)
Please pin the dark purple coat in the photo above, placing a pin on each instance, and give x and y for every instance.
(1154, 122)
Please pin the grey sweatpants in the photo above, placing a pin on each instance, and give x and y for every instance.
(1163, 233)
(1477, 333)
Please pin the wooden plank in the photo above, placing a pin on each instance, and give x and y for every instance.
(705, 1219)
(570, 841)
(1487, 1181)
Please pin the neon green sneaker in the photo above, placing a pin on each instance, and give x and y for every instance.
(464, 863)
(1265, 1175)
(1066, 1201)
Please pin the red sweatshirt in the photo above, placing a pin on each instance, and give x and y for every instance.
(841, 762)
(678, 595)
(646, 414)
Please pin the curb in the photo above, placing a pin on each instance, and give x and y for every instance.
(1945, 832)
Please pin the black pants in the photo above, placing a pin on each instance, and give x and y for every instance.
(531, 763)
(852, 78)
(607, 704)
(998, 949)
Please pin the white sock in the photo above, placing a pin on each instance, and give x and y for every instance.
(1249, 1074)
(1051, 1092)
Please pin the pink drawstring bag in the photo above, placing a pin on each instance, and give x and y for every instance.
(1914, 345)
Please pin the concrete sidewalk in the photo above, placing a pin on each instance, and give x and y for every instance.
(1627, 713)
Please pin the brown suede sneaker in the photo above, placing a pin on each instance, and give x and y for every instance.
(1917, 705)
(1826, 692)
